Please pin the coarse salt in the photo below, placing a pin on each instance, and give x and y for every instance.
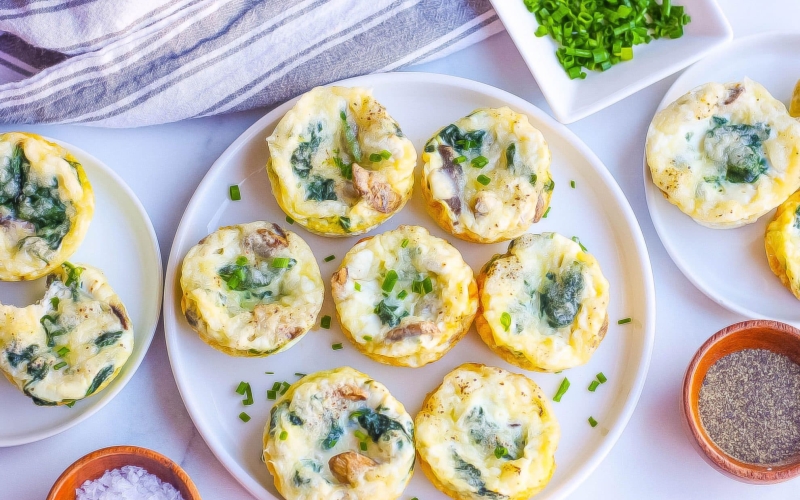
(127, 483)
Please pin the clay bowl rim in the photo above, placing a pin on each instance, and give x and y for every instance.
(125, 450)
(728, 465)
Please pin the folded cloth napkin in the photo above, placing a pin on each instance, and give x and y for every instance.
(128, 63)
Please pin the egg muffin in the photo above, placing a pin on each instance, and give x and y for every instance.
(487, 433)
(543, 304)
(339, 164)
(725, 154)
(46, 204)
(251, 289)
(404, 297)
(69, 345)
(486, 177)
(339, 434)
(782, 243)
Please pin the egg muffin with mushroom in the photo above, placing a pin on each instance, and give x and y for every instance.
(339, 434)
(487, 433)
(404, 297)
(339, 164)
(725, 154)
(46, 204)
(69, 345)
(251, 289)
(543, 304)
(782, 242)
(486, 177)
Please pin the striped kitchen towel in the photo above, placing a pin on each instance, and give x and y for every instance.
(128, 63)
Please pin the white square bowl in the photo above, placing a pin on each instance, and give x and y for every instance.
(572, 100)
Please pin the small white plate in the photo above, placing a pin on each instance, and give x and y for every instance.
(572, 100)
(122, 243)
(730, 265)
(596, 210)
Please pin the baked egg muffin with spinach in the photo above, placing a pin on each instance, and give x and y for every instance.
(486, 433)
(782, 242)
(404, 297)
(543, 304)
(339, 434)
(486, 177)
(46, 204)
(339, 164)
(251, 289)
(725, 154)
(69, 345)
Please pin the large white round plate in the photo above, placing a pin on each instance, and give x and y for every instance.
(730, 265)
(122, 243)
(595, 210)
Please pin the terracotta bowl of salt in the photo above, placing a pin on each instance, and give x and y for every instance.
(95, 464)
(778, 338)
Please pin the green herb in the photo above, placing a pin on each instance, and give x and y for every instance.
(345, 223)
(357, 286)
(388, 314)
(244, 417)
(98, 380)
(319, 189)
(562, 389)
(479, 161)
(505, 320)
(500, 452)
(404, 243)
(60, 365)
(333, 436)
(236, 195)
(549, 185)
(242, 388)
(592, 422)
(578, 241)
(248, 400)
(71, 404)
(403, 294)
(546, 212)
(427, 285)
(329, 258)
(54, 302)
(108, 338)
(389, 281)
(624, 321)
(325, 322)
(484, 180)
(559, 299)
(73, 274)
(572, 184)
(269, 373)
(51, 329)
(272, 395)
(602, 378)
(360, 435)
(460, 159)
(301, 375)
(337, 346)
(362, 445)
(346, 169)
(739, 147)
(377, 157)
(284, 387)
(367, 338)
(282, 262)
(63, 351)
(376, 424)
(276, 386)
(462, 142)
(289, 220)
(594, 385)
(24, 356)
(472, 475)
(283, 435)
(301, 157)
(350, 137)
(511, 150)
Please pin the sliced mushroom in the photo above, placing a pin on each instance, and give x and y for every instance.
(734, 94)
(351, 393)
(454, 175)
(277, 319)
(539, 209)
(412, 330)
(378, 193)
(266, 242)
(486, 202)
(120, 315)
(12, 223)
(338, 281)
(347, 467)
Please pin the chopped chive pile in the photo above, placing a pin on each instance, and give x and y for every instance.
(601, 378)
(593, 386)
(592, 422)
(624, 321)
(404, 243)
(505, 320)
(337, 346)
(598, 34)
(546, 212)
(329, 258)
(368, 338)
(236, 195)
(389, 281)
(289, 220)
(479, 161)
(244, 417)
(562, 389)
(578, 241)
(484, 180)
(325, 322)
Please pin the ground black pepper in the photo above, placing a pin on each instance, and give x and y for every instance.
(750, 406)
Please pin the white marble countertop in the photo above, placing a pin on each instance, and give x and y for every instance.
(163, 165)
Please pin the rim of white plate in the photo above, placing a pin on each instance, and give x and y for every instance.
(651, 191)
(132, 365)
(275, 114)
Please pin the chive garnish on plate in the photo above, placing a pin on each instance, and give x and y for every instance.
(236, 195)
(562, 389)
(592, 422)
(389, 281)
(601, 378)
(337, 346)
(325, 322)
(329, 258)
(244, 417)
(624, 321)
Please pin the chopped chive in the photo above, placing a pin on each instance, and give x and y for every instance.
(276, 386)
(375, 157)
(59, 365)
(242, 388)
(385, 154)
(270, 373)
(284, 387)
(484, 180)
(329, 258)
(236, 195)
(562, 389)
(248, 400)
(241, 261)
(404, 243)
(624, 321)
(479, 161)
(289, 220)
(337, 346)
(572, 184)
(592, 422)
(578, 241)
(505, 320)
(602, 378)
(70, 404)
(389, 281)
(63, 351)
(244, 417)
(403, 294)
(325, 322)
(54, 302)
(546, 212)
(500, 452)
(272, 395)
(280, 262)
(368, 338)
(460, 159)
(301, 375)
(360, 435)
(427, 285)
(594, 385)
(363, 445)
(357, 286)
(283, 435)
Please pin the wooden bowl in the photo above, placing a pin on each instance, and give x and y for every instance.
(756, 334)
(95, 464)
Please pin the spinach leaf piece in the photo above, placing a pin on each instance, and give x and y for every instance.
(37, 369)
(388, 314)
(107, 339)
(511, 150)
(559, 298)
(52, 329)
(294, 419)
(37, 401)
(275, 415)
(319, 189)
(351, 137)
(244, 278)
(462, 142)
(346, 169)
(739, 148)
(101, 377)
(377, 424)
(472, 475)
(301, 158)
(333, 436)
(23, 356)
(797, 218)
